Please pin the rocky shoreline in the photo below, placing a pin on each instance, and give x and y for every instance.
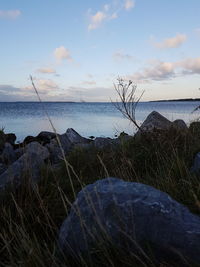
(171, 226)
(51, 147)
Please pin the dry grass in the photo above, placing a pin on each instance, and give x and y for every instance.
(31, 218)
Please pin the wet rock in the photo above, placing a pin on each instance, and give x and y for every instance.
(130, 215)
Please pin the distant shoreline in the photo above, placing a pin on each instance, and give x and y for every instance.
(102, 102)
(177, 100)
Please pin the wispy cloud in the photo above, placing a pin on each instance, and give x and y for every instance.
(197, 31)
(9, 14)
(129, 4)
(122, 56)
(189, 65)
(47, 85)
(46, 70)
(96, 20)
(108, 12)
(44, 86)
(8, 88)
(62, 53)
(89, 82)
(159, 70)
(172, 42)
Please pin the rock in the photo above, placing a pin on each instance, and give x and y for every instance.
(180, 125)
(19, 152)
(56, 152)
(29, 139)
(130, 215)
(35, 147)
(2, 140)
(3, 167)
(8, 155)
(155, 121)
(29, 164)
(196, 164)
(45, 137)
(75, 138)
(102, 142)
(195, 128)
(10, 138)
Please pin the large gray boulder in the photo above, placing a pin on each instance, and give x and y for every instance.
(28, 165)
(8, 155)
(155, 121)
(130, 215)
(102, 142)
(59, 146)
(3, 167)
(75, 138)
(10, 138)
(35, 147)
(45, 137)
(180, 125)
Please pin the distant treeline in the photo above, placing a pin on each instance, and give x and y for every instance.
(175, 100)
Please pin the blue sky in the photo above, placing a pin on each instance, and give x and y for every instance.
(76, 49)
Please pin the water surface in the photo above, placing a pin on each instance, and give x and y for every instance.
(97, 119)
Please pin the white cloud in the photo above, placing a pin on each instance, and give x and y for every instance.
(167, 70)
(108, 12)
(189, 65)
(96, 20)
(129, 4)
(158, 72)
(44, 86)
(89, 82)
(172, 42)
(62, 53)
(114, 16)
(46, 70)
(106, 7)
(92, 93)
(9, 14)
(47, 85)
(197, 31)
(122, 56)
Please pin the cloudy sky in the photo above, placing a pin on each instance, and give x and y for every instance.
(75, 50)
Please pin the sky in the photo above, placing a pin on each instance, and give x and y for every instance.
(76, 50)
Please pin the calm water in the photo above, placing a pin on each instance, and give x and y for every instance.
(98, 119)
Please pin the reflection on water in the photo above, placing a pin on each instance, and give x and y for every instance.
(98, 119)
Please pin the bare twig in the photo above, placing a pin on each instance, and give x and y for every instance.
(128, 100)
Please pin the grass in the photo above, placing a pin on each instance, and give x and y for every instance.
(31, 218)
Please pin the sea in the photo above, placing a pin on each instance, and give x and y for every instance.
(88, 119)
